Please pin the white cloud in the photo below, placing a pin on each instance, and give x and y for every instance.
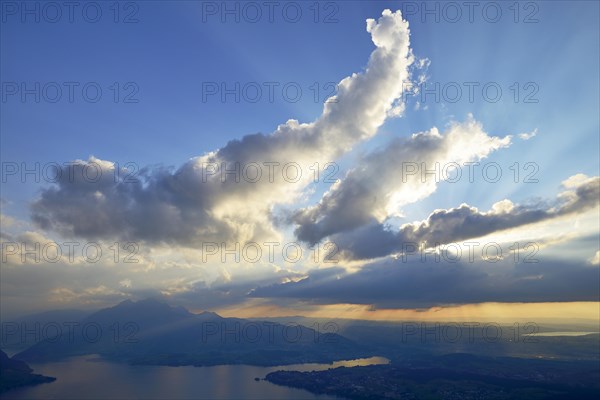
(391, 178)
(466, 222)
(596, 259)
(528, 135)
(191, 205)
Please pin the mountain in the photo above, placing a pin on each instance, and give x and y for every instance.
(20, 333)
(153, 332)
(15, 373)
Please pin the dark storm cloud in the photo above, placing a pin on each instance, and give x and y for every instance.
(423, 284)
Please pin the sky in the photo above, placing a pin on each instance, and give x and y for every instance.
(356, 159)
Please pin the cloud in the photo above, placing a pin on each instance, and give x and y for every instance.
(392, 177)
(32, 287)
(466, 222)
(193, 204)
(7, 221)
(392, 284)
(596, 259)
(528, 135)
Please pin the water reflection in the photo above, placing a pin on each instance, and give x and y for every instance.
(89, 377)
(563, 333)
(359, 362)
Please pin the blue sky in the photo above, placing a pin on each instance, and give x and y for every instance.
(171, 53)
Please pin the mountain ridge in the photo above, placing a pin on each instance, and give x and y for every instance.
(151, 331)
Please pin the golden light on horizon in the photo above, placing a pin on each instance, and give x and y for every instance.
(501, 312)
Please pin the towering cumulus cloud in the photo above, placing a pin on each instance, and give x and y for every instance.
(395, 176)
(199, 202)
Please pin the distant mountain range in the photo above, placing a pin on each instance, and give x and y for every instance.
(153, 332)
(21, 333)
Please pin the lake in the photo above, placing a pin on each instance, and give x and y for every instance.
(90, 377)
(564, 333)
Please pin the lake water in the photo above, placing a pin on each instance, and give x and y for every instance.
(89, 377)
(564, 333)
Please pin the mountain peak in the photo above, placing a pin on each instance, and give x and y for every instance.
(209, 314)
(151, 310)
(148, 302)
